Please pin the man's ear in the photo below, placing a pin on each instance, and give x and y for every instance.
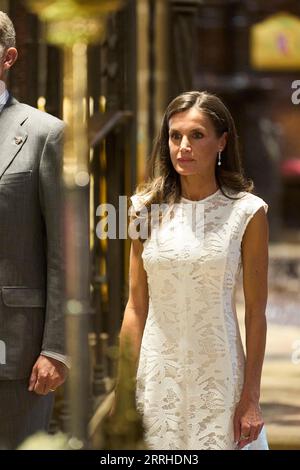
(10, 57)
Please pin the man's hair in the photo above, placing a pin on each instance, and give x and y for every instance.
(7, 32)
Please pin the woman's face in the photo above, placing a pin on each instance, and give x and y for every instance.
(193, 142)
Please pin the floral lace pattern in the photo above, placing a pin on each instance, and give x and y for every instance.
(191, 365)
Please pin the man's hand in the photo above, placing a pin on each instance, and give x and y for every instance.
(47, 374)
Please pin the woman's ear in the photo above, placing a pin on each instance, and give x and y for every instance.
(223, 140)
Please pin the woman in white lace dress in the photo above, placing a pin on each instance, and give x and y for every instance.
(196, 389)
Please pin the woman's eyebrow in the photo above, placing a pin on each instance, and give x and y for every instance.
(191, 130)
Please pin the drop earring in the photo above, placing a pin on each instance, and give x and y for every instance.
(219, 158)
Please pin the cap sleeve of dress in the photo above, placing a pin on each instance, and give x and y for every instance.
(252, 205)
(138, 217)
(137, 204)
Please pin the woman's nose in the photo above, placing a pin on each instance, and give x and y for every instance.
(185, 143)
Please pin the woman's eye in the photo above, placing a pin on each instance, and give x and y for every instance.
(175, 136)
(197, 135)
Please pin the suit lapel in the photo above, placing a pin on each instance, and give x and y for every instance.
(12, 135)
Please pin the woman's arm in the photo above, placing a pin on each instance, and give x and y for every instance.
(136, 310)
(248, 420)
(134, 320)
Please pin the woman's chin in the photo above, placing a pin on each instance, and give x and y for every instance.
(185, 172)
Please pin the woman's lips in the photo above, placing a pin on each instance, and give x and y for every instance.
(185, 160)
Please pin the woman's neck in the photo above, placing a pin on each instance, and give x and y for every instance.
(195, 190)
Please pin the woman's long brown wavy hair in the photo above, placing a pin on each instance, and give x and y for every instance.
(163, 182)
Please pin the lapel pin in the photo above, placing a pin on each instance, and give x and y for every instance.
(18, 140)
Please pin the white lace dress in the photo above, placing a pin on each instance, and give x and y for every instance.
(191, 365)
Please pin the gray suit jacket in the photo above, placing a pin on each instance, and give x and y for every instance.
(31, 261)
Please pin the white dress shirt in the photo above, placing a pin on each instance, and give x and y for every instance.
(4, 95)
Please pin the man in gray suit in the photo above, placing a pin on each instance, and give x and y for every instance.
(32, 351)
